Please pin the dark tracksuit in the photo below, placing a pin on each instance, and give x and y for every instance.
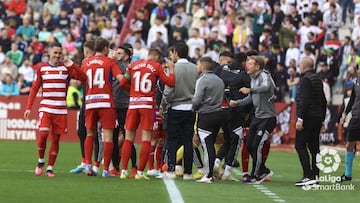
(354, 107)
(208, 97)
(233, 120)
(311, 108)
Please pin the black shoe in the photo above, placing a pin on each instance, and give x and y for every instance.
(344, 178)
(250, 180)
(236, 164)
(40, 164)
(306, 182)
(263, 176)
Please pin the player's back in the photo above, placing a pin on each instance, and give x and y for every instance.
(100, 71)
(144, 74)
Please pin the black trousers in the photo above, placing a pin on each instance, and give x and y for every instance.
(121, 117)
(259, 133)
(180, 131)
(98, 144)
(308, 139)
(208, 126)
(231, 123)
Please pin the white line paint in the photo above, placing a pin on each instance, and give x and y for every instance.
(174, 193)
(269, 193)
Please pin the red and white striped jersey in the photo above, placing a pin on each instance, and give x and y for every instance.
(54, 82)
(100, 71)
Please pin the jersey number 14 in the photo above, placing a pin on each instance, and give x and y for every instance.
(98, 79)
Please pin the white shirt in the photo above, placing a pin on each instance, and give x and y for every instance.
(303, 32)
(292, 53)
(194, 43)
(152, 34)
(27, 72)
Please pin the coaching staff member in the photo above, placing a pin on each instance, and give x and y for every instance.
(310, 110)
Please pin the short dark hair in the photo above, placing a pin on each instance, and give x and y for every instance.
(100, 44)
(54, 44)
(182, 50)
(90, 45)
(129, 47)
(126, 50)
(154, 52)
(227, 54)
(207, 62)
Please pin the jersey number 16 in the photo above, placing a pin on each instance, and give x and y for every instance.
(142, 83)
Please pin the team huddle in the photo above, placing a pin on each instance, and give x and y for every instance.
(165, 99)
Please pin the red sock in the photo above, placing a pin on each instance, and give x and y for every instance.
(244, 158)
(158, 153)
(266, 150)
(41, 143)
(108, 150)
(54, 149)
(144, 154)
(88, 148)
(125, 154)
(151, 158)
(83, 160)
(97, 163)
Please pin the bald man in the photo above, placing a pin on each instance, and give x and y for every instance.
(310, 111)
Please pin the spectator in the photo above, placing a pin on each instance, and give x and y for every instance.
(197, 13)
(157, 27)
(140, 52)
(136, 36)
(23, 85)
(8, 67)
(117, 20)
(216, 25)
(294, 16)
(109, 33)
(27, 71)
(305, 30)
(242, 34)
(104, 8)
(2, 55)
(5, 41)
(53, 7)
(159, 42)
(332, 20)
(18, 6)
(280, 76)
(195, 41)
(12, 20)
(160, 12)
(21, 43)
(15, 55)
(277, 19)
(140, 23)
(292, 53)
(59, 35)
(93, 29)
(37, 46)
(204, 29)
(46, 21)
(122, 6)
(180, 12)
(261, 18)
(33, 57)
(68, 6)
(179, 27)
(81, 20)
(343, 55)
(26, 30)
(287, 33)
(37, 7)
(63, 21)
(148, 8)
(293, 81)
(176, 38)
(70, 44)
(9, 86)
(315, 16)
(87, 7)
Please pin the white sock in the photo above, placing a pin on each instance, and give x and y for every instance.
(178, 167)
(95, 169)
(49, 168)
(227, 171)
(41, 160)
(83, 164)
(123, 171)
(217, 163)
(140, 172)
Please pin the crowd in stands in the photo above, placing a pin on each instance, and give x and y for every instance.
(284, 31)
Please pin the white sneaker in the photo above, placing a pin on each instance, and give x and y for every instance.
(205, 179)
(188, 177)
(169, 175)
(153, 172)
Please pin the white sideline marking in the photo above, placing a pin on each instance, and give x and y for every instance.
(174, 193)
(269, 193)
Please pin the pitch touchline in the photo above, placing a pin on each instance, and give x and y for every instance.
(174, 193)
(269, 193)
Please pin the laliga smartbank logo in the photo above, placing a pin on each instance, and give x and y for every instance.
(328, 161)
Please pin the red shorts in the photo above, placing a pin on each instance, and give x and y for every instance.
(56, 122)
(159, 132)
(144, 117)
(106, 116)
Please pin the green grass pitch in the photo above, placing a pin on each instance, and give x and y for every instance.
(19, 184)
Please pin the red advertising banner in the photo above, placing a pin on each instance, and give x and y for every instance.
(13, 126)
